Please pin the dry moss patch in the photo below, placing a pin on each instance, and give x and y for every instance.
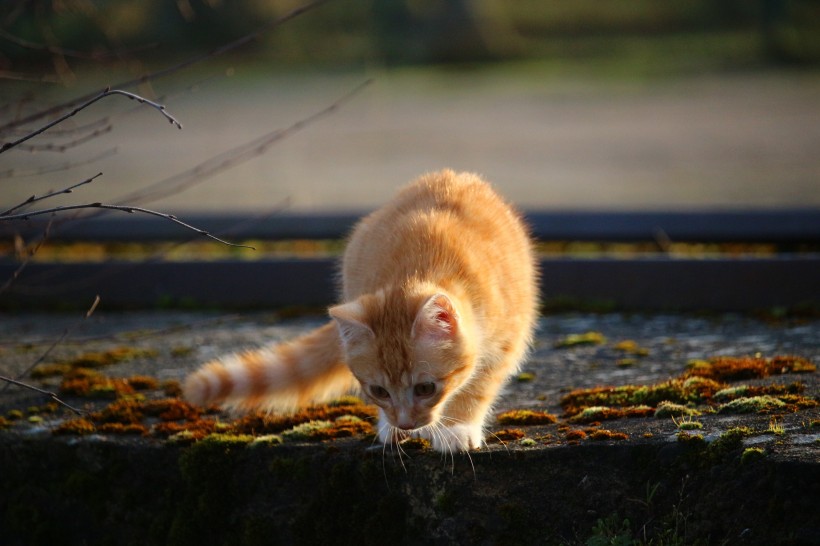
(526, 417)
(141, 406)
(505, 435)
(705, 385)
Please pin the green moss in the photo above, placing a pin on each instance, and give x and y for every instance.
(689, 438)
(625, 362)
(14, 415)
(689, 424)
(751, 454)
(587, 338)
(775, 427)
(596, 413)
(527, 442)
(304, 431)
(526, 417)
(741, 432)
(670, 409)
(525, 377)
(730, 393)
(228, 439)
(727, 444)
(631, 347)
(753, 404)
(182, 437)
(267, 440)
(604, 413)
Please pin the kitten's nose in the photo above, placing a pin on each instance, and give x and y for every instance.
(404, 420)
(406, 425)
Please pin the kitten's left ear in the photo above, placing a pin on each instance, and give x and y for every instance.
(349, 319)
(437, 320)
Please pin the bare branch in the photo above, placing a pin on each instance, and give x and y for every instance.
(17, 272)
(88, 127)
(107, 93)
(34, 199)
(123, 208)
(50, 394)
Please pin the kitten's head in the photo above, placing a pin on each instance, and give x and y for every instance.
(409, 351)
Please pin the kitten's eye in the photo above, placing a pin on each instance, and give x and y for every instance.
(379, 392)
(424, 389)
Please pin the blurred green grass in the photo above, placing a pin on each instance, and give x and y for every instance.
(619, 37)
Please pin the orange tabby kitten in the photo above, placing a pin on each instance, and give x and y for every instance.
(439, 292)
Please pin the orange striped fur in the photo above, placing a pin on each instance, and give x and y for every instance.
(439, 304)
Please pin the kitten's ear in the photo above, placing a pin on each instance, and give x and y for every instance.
(437, 320)
(349, 319)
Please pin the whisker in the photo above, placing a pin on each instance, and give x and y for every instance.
(500, 441)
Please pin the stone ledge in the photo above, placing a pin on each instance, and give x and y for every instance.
(114, 492)
(702, 486)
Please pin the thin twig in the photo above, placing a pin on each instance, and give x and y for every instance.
(34, 198)
(17, 272)
(106, 93)
(124, 208)
(50, 394)
(244, 40)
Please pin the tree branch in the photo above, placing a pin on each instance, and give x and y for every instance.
(11, 280)
(50, 394)
(107, 93)
(123, 208)
(34, 198)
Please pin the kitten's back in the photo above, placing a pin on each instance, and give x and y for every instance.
(449, 228)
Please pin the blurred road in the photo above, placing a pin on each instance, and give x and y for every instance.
(729, 141)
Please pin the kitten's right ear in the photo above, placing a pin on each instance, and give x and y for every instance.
(349, 319)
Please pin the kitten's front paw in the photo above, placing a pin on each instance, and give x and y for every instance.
(456, 438)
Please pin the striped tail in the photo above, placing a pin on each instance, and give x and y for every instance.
(282, 377)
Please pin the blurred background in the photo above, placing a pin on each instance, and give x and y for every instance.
(583, 105)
